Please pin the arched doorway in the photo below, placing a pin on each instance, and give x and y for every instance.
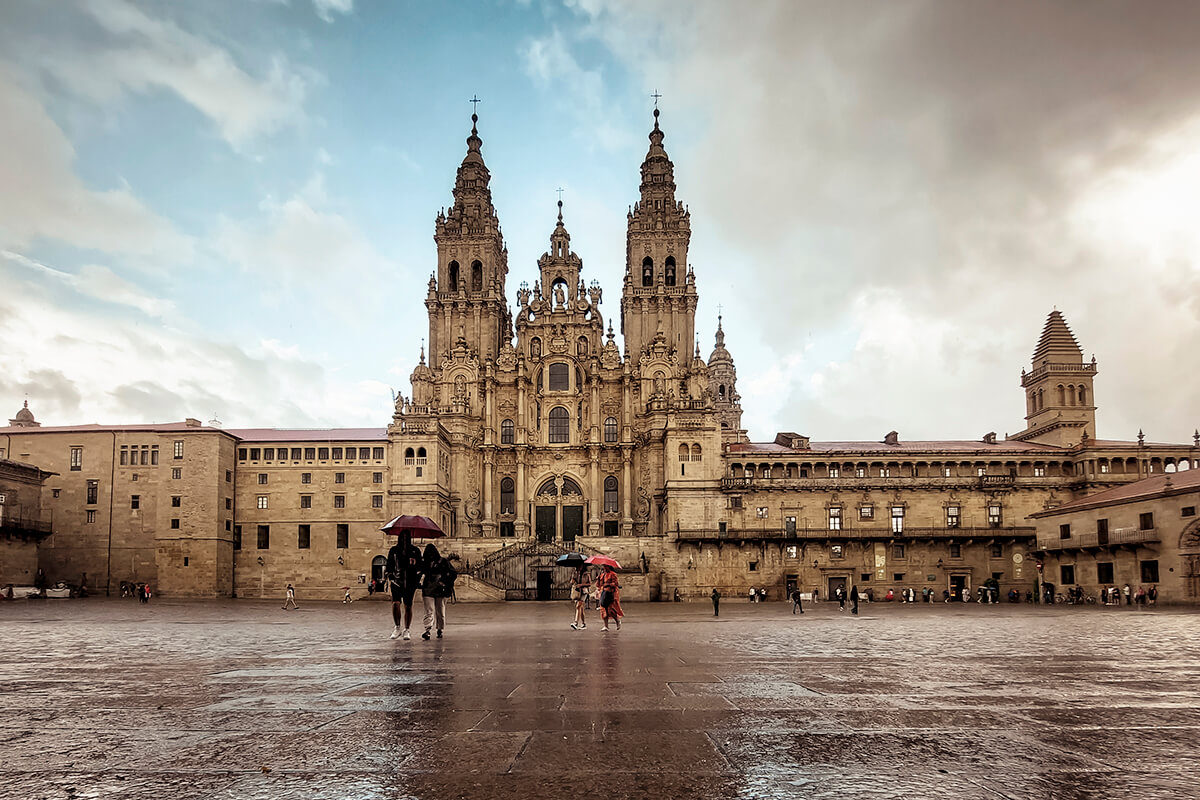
(558, 513)
(378, 566)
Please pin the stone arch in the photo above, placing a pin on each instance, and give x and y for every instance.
(476, 276)
(647, 271)
(453, 275)
(669, 271)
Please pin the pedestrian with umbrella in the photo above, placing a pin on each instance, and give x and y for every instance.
(581, 584)
(610, 591)
(403, 567)
(437, 586)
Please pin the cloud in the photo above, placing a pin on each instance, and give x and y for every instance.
(327, 8)
(44, 198)
(98, 283)
(141, 54)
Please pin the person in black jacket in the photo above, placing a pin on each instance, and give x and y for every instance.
(403, 574)
(438, 584)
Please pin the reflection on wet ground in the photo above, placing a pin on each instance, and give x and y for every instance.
(100, 698)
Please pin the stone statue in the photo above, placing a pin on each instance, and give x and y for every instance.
(560, 297)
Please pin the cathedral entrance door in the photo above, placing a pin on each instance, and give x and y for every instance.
(545, 584)
(572, 523)
(545, 523)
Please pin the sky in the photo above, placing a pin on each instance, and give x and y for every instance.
(225, 209)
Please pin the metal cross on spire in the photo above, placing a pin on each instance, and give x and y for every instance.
(475, 101)
(560, 191)
(656, 96)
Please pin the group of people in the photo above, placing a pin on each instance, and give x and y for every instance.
(1111, 595)
(758, 595)
(608, 587)
(408, 569)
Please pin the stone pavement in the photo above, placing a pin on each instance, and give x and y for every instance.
(108, 698)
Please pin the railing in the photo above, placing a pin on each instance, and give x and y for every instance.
(992, 481)
(824, 534)
(24, 527)
(1058, 369)
(1096, 539)
(907, 481)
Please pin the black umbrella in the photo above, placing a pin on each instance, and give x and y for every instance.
(571, 560)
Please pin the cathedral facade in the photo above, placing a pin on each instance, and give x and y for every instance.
(538, 429)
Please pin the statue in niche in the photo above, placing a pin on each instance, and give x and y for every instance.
(560, 297)
(460, 386)
(535, 348)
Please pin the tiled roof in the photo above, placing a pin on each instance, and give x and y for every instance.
(310, 435)
(153, 427)
(1170, 482)
(823, 448)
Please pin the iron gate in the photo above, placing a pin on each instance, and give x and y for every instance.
(528, 571)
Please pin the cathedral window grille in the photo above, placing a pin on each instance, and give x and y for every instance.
(647, 271)
(508, 503)
(376, 501)
(506, 432)
(306, 501)
(549, 489)
(76, 459)
(952, 516)
(454, 276)
(560, 425)
(339, 501)
(610, 430)
(610, 495)
(570, 487)
(669, 271)
(560, 377)
(322, 453)
(262, 501)
(476, 276)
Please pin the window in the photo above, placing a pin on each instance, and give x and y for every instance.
(306, 501)
(295, 454)
(791, 551)
(76, 459)
(897, 576)
(560, 377)
(980, 471)
(1146, 521)
(93, 489)
(885, 472)
(956, 551)
(860, 472)
(866, 512)
(237, 537)
(735, 502)
(124, 455)
(264, 537)
(610, 495)
(1068, 573)
(241, 454)
(897, 519)
(336, 454)
(175, 473)
(306, 477)
(376, 501)
(269, 454)
(55, 491)
(834, 471)
(178, 453)
(754, 566)
(228, 503)
(377, 453)
(835, 518)
(508, 504)
(133, 477)
(1104, 572)
(135, 502)
(953, 520)
(177, 501)
(1039, 472)
(227, 524)
(836, 551)
(255, 454)
(91, 515)
(1150, 572)
(508, 529)
(339, 477)
(789, 525)
(1103, 467)
(262, 478)
(303, 537)
(947, 472)
(997, 551)
(1064, 531)
(343, 535)
(322, 453)
(175, 524)
(262, 501)
(376, 477)
(1102, 528)
(339, 501)
(610, 430)
(722, 527)
(611, 527)
(351, 453)
(310, 453)
(994, 516)
(154, 455)
(897, 552)
(560, 425)
(506, 432)
(761, 512)
(1188, 511)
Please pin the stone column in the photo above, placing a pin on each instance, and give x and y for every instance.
(521, 526)
(488, 524)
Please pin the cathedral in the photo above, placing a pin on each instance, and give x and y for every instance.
(543, 428)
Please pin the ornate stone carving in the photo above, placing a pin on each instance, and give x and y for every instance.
(643, 504)
(472, 507)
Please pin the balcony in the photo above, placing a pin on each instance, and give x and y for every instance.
(1122, 537)
(850, 534)
(18, 527)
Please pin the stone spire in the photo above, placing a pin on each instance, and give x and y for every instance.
(1060, 408)
(1057, 342)
(722, 383)
(24, 418)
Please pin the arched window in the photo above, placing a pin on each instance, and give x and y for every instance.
(421, 452)
(610, 430)
(647, 271)
(1041, 399)
(506, 432)
(570, 487)
(560, 377)
(508, 503)
(581, 347)
(535, 347)
(476, 276)
(378, 565)
(549, 489)
(1071, 395)
(721, 392)
(1062, 395)
(454, 276)
(1082, 396)
(669, 271)
(560, 425)
(683, 452)
(408, 452)
(695, 452)
(610, 495)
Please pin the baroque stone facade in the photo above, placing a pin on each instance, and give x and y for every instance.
(534, 432)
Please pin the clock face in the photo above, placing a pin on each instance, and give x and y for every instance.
(1018, 558)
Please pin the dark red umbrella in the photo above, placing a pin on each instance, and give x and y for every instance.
(414, 526)
(604, 561)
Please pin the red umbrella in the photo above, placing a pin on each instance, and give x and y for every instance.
(414, 526)
(603, 561)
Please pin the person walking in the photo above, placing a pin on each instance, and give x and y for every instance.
(797, 605)
(437, 585)
(610, 597)
(841, 598)
(581, 584)
(753, 595)
(347, 598)
(716, 598)
(1152, 594)
(289, 597)
(854, 599)
(404, 574)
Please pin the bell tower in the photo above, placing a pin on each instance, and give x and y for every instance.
(659, 295)
(466, 297)
(1060, 406)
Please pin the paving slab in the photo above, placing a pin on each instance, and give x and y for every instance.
(102, 698)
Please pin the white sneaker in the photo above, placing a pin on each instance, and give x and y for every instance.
(405, 634)
(395, 632)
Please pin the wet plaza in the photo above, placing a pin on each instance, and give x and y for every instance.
(108, 698)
